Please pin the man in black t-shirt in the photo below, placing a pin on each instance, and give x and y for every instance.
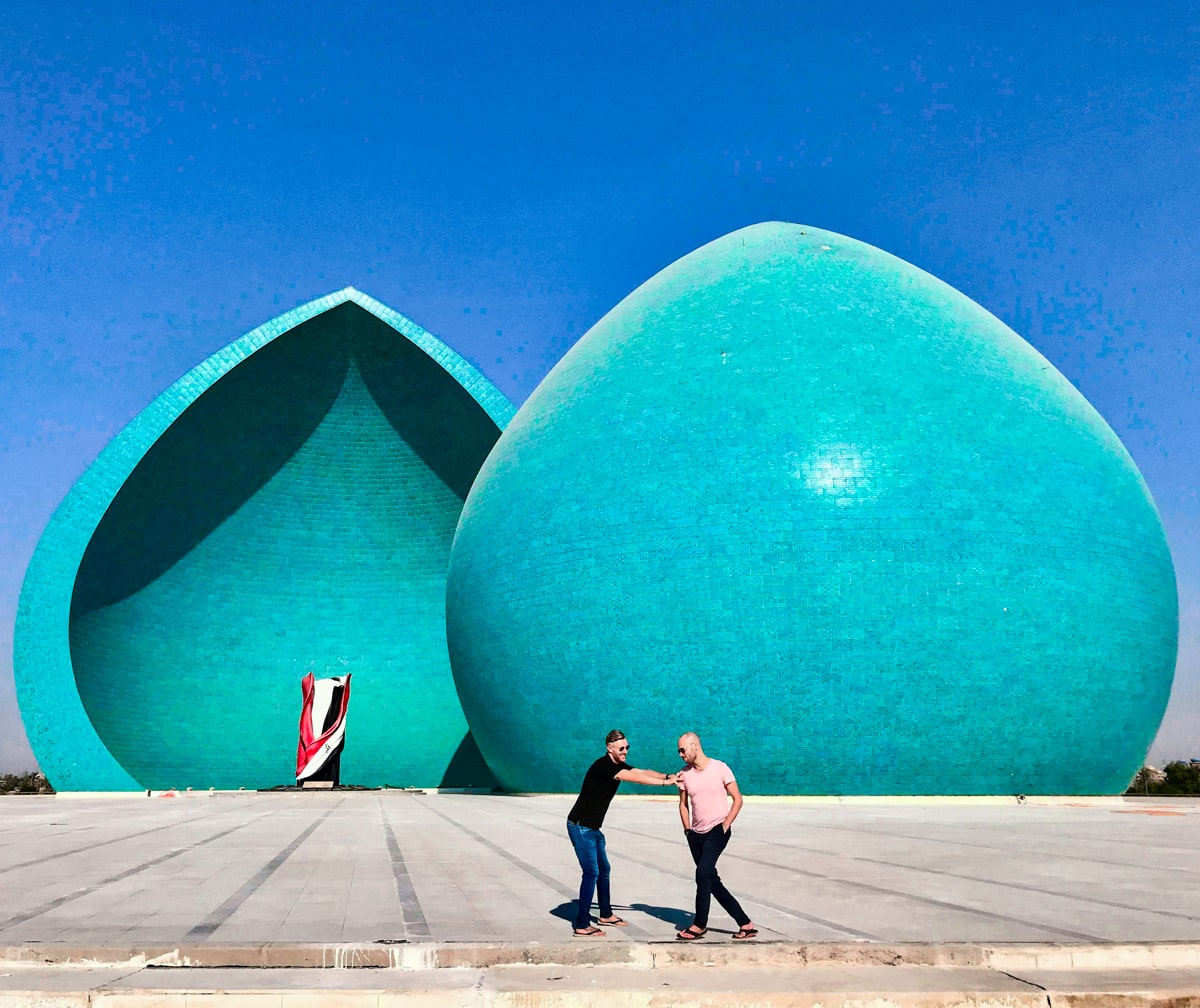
(600, 784)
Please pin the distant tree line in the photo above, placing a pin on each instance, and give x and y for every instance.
(1182, 777)
(30, 783)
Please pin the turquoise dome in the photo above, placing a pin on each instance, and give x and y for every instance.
(286, 507)
(807, 500)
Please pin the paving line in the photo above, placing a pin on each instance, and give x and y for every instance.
(1137, 844)
(1141, 844)
(548, 881)
(852, 932)
(28, 915)
(227, 908)
(1020, 886)
(883, 890)
(103, 843)
(411, 914)
(843, 929)
(927, 900)
(1131, 865)
(941, 904)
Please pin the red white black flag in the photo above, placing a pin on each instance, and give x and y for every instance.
(322, 728)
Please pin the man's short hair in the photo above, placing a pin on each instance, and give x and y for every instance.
(614, 736)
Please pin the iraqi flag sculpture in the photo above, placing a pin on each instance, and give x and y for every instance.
(322, 729)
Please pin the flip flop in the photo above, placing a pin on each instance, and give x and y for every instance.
(691, 934)
(615, 922)
(744, 933)
(591, 932)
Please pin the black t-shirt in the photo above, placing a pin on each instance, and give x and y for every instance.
(599, 785)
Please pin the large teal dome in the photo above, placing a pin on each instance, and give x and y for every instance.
(805, 499)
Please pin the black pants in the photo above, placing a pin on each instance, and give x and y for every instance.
(706, 848)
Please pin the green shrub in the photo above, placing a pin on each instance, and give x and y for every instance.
(30, 783)
(1180, 777)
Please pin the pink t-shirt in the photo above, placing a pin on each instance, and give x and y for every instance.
(706, 794)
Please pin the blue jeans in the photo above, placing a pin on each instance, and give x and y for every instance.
(589, 848)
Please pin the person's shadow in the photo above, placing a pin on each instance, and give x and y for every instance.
(676, 917)
(564, 911)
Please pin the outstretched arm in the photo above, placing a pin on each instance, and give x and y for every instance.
(651, 777)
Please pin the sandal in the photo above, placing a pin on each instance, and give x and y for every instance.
(747, 932)
(590, 932)
(615, 922)
(690, 933)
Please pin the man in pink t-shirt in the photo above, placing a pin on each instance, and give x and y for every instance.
(706, 786)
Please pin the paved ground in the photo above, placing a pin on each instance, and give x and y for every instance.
(361, 867)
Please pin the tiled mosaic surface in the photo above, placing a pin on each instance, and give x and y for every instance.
(286, 506)
(809, 501)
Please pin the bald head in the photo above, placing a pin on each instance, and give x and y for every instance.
(689, 748)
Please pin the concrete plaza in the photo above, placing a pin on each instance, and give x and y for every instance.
(979, 896)
(391, 865)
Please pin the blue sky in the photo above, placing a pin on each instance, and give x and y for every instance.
(504, 174)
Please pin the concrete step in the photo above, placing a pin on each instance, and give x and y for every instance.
(613, 950)
(599, 974)
(532, 986)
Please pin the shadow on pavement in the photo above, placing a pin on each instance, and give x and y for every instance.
(677, 918)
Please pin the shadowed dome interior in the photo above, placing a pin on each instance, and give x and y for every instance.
(805, 499)
(296, 516)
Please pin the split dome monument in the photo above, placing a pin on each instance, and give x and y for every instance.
(792, 493)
